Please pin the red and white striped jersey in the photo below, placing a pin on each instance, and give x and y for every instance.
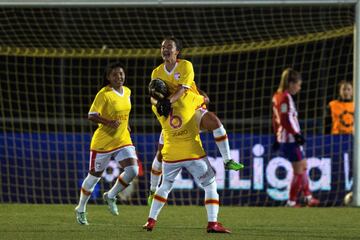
(284, 120)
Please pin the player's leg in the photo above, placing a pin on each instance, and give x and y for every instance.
(156, 171)
(309, 199)
(127, 159)
(202, 171)
(98, 162)
(295, 155)
(170, 171)
(209, 121)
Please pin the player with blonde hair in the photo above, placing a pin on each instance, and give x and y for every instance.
(288, 135)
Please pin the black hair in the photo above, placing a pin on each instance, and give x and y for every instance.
(177, 42)
(108, 70)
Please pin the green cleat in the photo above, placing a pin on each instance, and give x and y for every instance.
(81, 217)
(150, 198)
(111, 202)
(232, 165)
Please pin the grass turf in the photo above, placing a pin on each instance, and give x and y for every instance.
(26, 221)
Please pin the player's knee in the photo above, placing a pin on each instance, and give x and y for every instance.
(210, 121)
(131, 171)
(165, 187)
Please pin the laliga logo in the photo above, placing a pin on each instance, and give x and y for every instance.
(277, 187)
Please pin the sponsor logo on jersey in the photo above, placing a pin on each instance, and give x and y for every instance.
(177, 76)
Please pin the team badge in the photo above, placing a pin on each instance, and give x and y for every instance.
(177, 76)
(284, 108)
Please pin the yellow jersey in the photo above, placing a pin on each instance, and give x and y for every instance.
(181, 74)
(111, 105)
(181, 131)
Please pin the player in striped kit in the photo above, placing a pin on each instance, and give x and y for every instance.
(111, 140)
(288, 135)
(178, 74)
(183, 149)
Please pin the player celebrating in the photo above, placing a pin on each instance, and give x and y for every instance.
(178, 74)
(288, 135)
(110, 109)
(183, 149)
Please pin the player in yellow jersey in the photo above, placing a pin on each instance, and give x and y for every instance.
(178, 74)
(183, 149)
(111, 140)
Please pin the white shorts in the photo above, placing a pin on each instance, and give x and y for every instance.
(200, 169)
(99, 161)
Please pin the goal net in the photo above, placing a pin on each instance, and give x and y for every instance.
(52, 60)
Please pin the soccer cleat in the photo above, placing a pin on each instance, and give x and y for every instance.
(292, 204)
(111, 202)
(150, 198)
(150, 224)
(232, 165)
(313, 202)
(81, 217)
(216, 227)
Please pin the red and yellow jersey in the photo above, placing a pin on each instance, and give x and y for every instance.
(181, 131)
(342, 115)
(182, 74)
(111, 105)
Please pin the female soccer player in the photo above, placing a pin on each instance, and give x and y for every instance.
(183, 149)
(178, 74)
(110, 110)
(288, 135)
(342, 110)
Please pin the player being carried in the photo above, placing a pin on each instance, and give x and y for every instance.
(178, 74)
(183, 149)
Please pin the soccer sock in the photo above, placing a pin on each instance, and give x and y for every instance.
(160, 199)
(305, 185)
(211, 202)
(222, 142)
(295, 186)
(130, 172)
(155, 174)
(87, 187)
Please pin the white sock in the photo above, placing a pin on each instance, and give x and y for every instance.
(160, 199)
(211, 202)
(130, 172)
(222, 143)
(155, 174)
(87, 187)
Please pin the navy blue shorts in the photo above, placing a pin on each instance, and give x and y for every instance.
(292, 152)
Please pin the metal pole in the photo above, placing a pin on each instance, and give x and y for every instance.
(356, 157)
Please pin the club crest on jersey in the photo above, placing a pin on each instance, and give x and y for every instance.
(177, 76)
(284, 108)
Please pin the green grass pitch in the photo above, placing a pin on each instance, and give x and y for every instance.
(26, 221)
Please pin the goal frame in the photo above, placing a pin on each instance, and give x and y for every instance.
(244, 3)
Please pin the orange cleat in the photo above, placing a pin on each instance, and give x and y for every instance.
(313, 202)
(216, 227)
(150, 224)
